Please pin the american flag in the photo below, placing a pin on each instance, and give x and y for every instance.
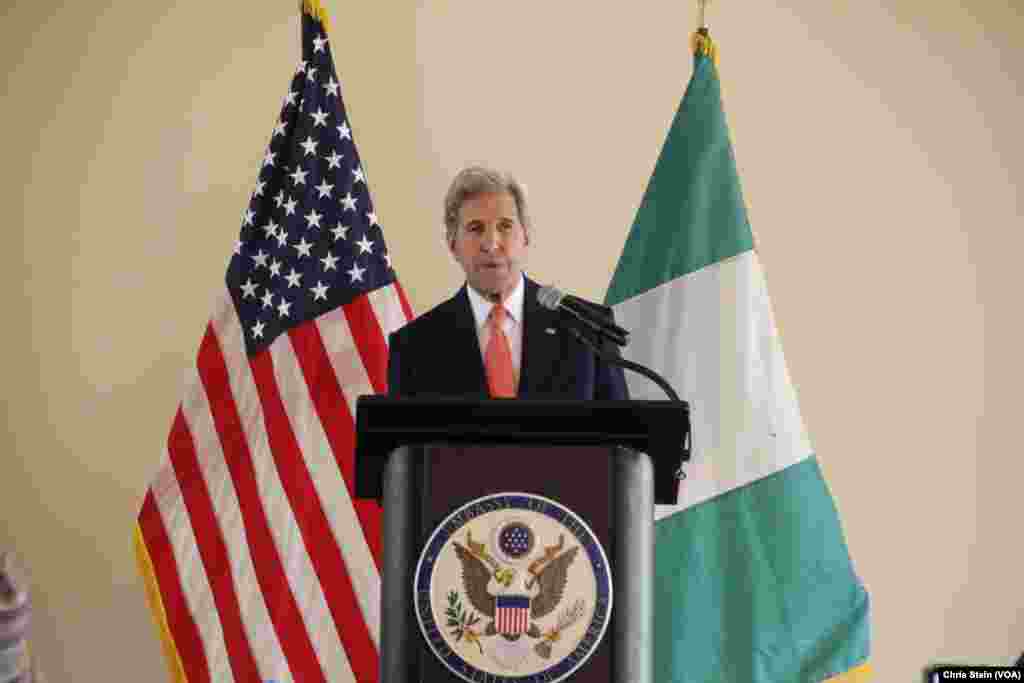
(260, 563)
(512, 614)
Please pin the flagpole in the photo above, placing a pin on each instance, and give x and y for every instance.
(702, 24)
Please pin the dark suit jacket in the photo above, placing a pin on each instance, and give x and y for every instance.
(438, 353)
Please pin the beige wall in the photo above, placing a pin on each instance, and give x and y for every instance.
(880, 153)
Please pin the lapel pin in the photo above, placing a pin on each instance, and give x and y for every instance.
(550, 330)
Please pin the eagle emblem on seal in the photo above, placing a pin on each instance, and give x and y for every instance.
(511, 599)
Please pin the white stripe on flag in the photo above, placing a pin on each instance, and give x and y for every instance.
(712, 335)
(260, 631)
(345, 357)
(195, 587)
(388, 309)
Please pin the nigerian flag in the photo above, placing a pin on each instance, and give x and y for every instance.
(753, 577)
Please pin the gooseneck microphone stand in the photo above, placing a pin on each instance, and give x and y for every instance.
(621, 362)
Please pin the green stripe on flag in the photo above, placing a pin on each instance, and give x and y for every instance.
(757, 585)
(694, 187)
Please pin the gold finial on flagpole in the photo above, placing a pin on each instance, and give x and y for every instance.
(702, 23)
(316, 10)
(701, 41)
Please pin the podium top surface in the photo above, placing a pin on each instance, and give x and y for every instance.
(658, 428)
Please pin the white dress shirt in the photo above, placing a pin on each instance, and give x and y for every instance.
(513, 324)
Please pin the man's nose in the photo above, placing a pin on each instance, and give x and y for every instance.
(491, 241)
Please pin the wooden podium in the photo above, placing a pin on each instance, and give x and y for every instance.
(607, 461)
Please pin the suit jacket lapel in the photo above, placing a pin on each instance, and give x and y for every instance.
(462, 355)
(541, 350)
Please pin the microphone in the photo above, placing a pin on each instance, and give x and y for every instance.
(589, 314)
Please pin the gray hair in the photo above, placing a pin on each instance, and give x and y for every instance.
(474, 180)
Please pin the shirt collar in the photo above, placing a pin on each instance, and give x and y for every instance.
(513, 304)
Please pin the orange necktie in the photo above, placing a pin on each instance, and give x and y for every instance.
(498, 357)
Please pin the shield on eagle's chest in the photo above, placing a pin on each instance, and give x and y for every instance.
(512, 614)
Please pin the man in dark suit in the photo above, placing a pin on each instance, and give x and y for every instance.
(493, 338)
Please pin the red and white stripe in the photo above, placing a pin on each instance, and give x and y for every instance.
(512, 620)
(267, 566)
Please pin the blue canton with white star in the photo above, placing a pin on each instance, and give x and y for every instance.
(310, 239)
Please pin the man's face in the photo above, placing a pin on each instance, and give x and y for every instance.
(490, 244)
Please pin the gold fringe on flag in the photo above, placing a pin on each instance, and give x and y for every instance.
(703, 46)
(314, 9)
(860, 674)
(156, 605)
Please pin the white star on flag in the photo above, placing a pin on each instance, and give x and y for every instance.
(365, 245)
(340, 231)
(356, 273)
(313, 219)
(303, 247)
(324, 189)
(309, 144)
(319, 117)
(320, 291)
(329, 262)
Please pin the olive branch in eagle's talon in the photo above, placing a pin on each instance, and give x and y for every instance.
(461, 622)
